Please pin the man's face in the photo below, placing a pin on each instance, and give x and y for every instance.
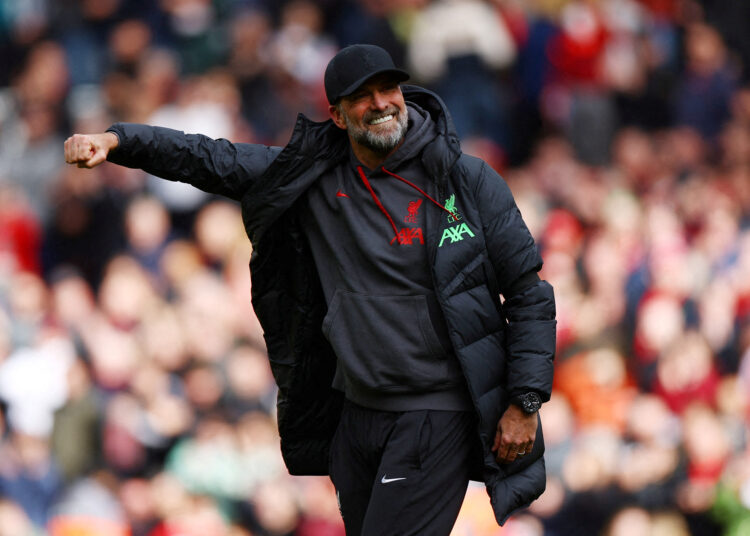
(374, 115)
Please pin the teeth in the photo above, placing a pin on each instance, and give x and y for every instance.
(381, 119)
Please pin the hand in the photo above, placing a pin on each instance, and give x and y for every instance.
(515, 434)
(89, 150)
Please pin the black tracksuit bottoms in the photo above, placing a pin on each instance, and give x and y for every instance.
(402, 473)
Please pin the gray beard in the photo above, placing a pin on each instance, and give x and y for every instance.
(381, 144)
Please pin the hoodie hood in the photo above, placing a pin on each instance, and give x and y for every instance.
(438, 157)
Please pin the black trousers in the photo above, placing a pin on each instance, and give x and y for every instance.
(401, 473)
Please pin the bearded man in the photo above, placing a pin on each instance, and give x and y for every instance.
(380, 255)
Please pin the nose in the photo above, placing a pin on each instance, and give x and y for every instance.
(379, 101)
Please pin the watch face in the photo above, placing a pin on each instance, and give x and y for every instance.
(531, 403)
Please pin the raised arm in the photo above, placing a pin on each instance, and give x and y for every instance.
(215, 166)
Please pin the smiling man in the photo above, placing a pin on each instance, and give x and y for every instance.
(380, 255)
(374, 116)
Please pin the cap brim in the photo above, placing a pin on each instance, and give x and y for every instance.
(399, 74)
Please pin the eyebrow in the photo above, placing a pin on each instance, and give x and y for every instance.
(385, 84)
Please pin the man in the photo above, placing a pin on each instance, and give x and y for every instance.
(380, 253)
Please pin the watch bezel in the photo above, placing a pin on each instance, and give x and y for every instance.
(529, 402)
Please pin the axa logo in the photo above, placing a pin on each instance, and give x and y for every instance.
(408, 235)
(456, 234)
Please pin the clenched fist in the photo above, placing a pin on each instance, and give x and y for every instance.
(89, 150)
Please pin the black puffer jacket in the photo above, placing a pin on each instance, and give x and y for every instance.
(501, 348)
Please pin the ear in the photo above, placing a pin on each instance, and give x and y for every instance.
(337, 116)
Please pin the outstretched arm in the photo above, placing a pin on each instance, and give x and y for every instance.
(215, 166)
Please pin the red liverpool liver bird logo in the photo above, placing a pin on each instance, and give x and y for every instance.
(413, 208)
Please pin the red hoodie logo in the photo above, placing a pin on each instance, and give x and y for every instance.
(411, 217)
(407, 235)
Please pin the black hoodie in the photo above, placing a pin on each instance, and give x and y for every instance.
(367, 230)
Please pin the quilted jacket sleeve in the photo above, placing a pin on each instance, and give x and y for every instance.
(214, 166)
(530, 313)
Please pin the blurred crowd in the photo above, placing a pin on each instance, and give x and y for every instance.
(135, 393)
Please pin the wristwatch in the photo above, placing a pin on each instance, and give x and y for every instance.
(529, 402)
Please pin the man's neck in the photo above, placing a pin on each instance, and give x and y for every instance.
(369, 158)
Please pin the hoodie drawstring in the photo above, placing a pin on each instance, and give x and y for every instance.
(375, 198)
(380, 205)
(417, 188)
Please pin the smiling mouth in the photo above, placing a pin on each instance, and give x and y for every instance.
(382, 119)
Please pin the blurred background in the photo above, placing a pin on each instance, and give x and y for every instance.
(135, 394)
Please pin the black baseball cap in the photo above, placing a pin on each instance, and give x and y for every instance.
(355, 65)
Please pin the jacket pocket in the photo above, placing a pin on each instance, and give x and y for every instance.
(386, 342)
